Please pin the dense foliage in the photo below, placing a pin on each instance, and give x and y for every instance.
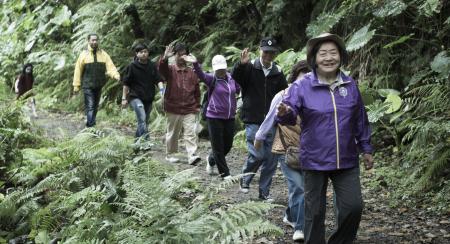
(399, 54)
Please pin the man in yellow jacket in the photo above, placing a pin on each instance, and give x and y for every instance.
(91, 69)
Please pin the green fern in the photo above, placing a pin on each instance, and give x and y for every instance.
(437, 163)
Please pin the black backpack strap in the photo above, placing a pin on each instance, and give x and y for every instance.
(211, 89)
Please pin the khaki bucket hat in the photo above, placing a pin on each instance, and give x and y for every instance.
(320, 38)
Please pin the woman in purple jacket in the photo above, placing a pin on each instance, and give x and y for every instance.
(220, 113)
(335, 129)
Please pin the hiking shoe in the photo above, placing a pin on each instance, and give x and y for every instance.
(267, 199)
(287, 222)
(298, 235)
(194, 160)
(244, 187)
(172, 159)
(228, 177)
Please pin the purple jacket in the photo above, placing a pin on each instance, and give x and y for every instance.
(334, 123)
(222, 101)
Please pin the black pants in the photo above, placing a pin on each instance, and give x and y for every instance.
(91, 100)
(221, 133)
(347, 189)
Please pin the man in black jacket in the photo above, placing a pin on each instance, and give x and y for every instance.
(139, 82)
(260, 80)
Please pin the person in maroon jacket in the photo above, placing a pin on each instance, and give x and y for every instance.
(181, 102)
(24, 83)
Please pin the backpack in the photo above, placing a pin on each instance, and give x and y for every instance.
(206, 96)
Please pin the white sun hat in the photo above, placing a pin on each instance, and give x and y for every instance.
(219, 62)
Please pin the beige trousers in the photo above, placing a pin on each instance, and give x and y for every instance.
(176, 122)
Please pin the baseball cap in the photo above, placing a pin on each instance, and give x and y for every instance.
(219, 62)
(268, 44)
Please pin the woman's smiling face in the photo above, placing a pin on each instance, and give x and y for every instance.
(328, 58)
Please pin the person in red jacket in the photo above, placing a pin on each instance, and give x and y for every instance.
(24, 83)
(181, 102)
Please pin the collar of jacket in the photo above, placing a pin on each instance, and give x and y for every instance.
(91, 50)
(274, 71)
(315, 80)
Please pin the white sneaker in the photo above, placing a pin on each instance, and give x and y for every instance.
(243, 187)
(172, 159)
(209, 168)
(228, 177)
(286, 221)
(267, 199)
(298, 235)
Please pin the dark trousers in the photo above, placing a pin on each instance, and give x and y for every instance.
(349, 204)
(91, 101)
(221, 133)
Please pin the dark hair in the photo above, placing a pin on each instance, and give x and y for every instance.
(342, 53)
(300, 66)
(139, 47)
(25, 67)
(92, 34)
(180, 47)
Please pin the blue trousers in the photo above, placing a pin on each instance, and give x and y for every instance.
(142, 110)
(262, 158)
(295, 211)
(91, 101)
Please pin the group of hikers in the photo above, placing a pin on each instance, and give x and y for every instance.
(317, 118)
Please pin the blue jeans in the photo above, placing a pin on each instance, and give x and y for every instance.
(91, 101)
(142, 110)
(259, 158)
(295, 211)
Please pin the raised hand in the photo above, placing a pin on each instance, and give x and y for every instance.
(189, 58)
(245, 56)
(168, 52)
(282, 109)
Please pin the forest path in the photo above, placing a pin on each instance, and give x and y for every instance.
(380, 223)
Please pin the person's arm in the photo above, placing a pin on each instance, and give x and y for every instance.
(269, 121)
(125, 91)
(363, 132)
(127, 78)
(163, 67)
(79, 65)
(205, 77)
(163, 63)
(290, 107)
(241, 70)
(111, 69)
(16, 85)
(159, 79)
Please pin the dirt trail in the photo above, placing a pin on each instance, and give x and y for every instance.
(380, 223)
